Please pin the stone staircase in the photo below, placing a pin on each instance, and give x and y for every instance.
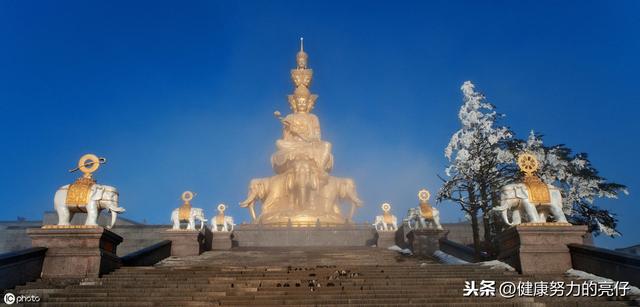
(300, 277)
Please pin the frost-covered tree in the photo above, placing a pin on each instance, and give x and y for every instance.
(477, 156)
(579, 182)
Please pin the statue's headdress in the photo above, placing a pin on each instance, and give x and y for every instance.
(301, 77)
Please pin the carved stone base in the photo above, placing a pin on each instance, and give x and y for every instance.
(76, 252)
(386, 239)
(221, 241)
(539, 248)
(185, 242)
(424, 242)
(256, 235)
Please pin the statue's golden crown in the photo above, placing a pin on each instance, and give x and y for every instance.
(302, 100)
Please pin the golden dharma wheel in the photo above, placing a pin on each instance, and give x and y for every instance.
(424, 195)
(89, 163)
(187, 196)
(528, 163)
(222, 207)
(386, 207)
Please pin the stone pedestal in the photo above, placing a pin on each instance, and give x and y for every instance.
(424, 242)
(539, 248)
(257, 235)
(386, 239)
(221, 241)
(78, 252)
(185, 242)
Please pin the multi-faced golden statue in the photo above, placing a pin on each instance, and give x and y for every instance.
(302, 192)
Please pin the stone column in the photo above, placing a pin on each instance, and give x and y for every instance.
(424, 242)
(539, 248)
(386, 238)
(221, 241)
(185, 242)
(76, 251)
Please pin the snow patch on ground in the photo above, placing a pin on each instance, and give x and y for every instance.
(450, 259)
(584, 275)
(396, 248)
(447, 259)
(497, 264)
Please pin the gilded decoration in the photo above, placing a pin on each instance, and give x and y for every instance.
(426, 210)
(220, 216)
(302, 191)
(79, 192)
(538, 190)
(185, 210)
(387, 216)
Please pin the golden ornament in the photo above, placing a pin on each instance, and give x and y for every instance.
(538, 190)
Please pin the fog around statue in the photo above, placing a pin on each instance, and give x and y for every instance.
(302, 191)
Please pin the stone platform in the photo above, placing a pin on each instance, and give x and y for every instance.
(185, 242)
(386, 239)
(221, 240)
(539, 248)
(76, 252)
(256, 235)
(424, 242)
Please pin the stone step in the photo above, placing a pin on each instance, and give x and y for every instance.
(288, 301)
(226, 279)
(253, 304)
(475, 268)
(291, 295)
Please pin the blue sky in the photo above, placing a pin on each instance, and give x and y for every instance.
(180, 95)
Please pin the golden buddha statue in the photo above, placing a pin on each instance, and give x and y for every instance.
(302, 192)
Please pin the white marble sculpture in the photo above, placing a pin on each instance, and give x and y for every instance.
(424, 216)
(532, 199)
(515, 198)
(222, 222)
(415, 220)
(386, 221)
(86, 196)
(186, 213)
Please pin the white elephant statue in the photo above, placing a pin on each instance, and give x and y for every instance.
(225, 226)
(415, 219)
(380, 224)
(515, 197)
(195, 213)
(100, 197)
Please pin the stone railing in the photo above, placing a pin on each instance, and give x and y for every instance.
(606, 263)
(461, 251)
(20, 267)
(149, 255)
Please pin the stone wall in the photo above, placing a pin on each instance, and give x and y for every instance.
(136, 235)
(262, 236)
(20, 267)
(13, 235)
(606, 263)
